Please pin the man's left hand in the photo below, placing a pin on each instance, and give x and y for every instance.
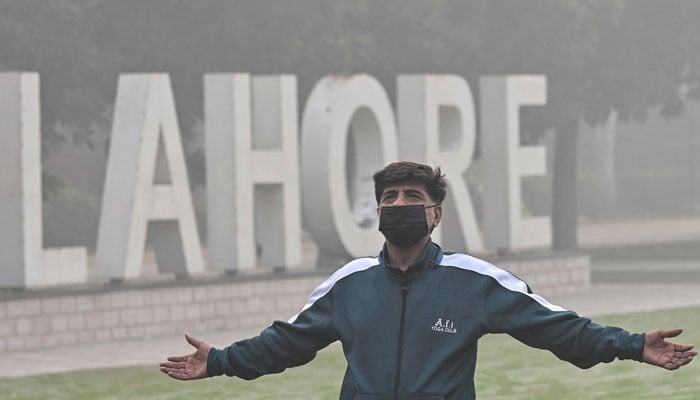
(664, 354)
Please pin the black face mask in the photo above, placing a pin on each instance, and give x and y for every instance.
(404, 226)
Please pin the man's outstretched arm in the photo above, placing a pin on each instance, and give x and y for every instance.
(665, 354)
(190, 366)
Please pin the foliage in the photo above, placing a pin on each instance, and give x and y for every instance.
(598, 55)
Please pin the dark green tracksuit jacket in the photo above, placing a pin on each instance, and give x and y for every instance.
(414, 335)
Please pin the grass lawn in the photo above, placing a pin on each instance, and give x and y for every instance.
(506, 370)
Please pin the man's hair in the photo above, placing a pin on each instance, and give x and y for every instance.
(407, 172)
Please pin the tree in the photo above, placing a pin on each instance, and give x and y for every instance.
(50, 38)
(643, 55)
(600, 58)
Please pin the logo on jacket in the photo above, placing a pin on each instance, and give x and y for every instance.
(447, 326)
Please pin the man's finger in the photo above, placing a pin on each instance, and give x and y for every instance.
(174, 365)
(677, 363)
(179, 358)
(193, 340)
(688, 355)
(670, 333)
(683, 347)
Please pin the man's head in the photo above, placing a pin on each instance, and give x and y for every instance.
(409, 196)
(406, 172)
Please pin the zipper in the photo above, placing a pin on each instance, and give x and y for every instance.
(404, 295)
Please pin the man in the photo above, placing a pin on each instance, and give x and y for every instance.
(409, 320)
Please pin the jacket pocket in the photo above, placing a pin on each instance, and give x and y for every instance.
(401, 397)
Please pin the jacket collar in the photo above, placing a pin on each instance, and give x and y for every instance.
(431, 256)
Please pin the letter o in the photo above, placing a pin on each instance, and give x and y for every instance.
(339, 109)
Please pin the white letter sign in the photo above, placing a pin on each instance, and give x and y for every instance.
(437, 125)
(505, 161)
(25, 262)
(136, 193)
(252, 171)
(348, 133)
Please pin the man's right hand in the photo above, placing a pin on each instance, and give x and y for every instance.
(190, 366)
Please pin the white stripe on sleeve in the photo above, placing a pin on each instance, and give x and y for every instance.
(356, 265)
(503, 277)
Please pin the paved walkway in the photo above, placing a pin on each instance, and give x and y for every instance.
(615, 234)
(601, 299)
(609, 298)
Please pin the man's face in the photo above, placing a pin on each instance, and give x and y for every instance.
(408, 195)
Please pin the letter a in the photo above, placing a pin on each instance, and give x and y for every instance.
(134, 195)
